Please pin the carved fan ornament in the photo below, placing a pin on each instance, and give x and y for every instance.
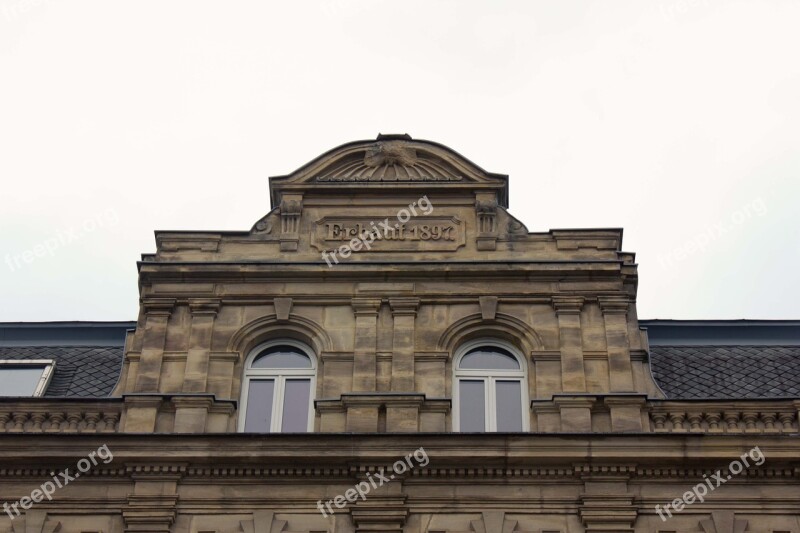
(390, 161)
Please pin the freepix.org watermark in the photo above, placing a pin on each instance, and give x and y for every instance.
(699, 242)
(373, 481)
(62, 238)
(60, 480)
(709, 484)
(14, 10)
(363, 237)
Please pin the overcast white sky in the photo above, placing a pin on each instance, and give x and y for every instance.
(677, 120)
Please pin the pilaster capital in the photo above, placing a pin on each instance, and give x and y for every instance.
(614, 305)
(366, 306)
(143, 400)
(404, 306)
(200, 401)
(575, 401)
(567, 305)
(204, 306)
(158, 306)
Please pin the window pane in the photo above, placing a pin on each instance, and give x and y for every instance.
(509, 405)
(282, 357)
(296, 396)
(489, 358)
(19, 381)
(472, 408)
(259, 405)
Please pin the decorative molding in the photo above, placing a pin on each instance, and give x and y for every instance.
(540, 356)
(510, 325)
(166, 356)
(430, 357)
(404, 306)
(614, 304)
(204, 306)
(385, 289)
(337, 356)
(101, 416)
(158, 306)
(251, 333)
(366, 306)
(176, 242)
(568, 305)
(223, 356)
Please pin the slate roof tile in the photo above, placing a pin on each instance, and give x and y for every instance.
(727, 372)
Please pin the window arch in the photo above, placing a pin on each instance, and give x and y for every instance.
(277, 389)
(490, 388)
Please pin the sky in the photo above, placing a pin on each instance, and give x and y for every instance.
(677, 120)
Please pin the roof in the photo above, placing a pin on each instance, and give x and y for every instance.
(727, 372)
(725, 359)
(87, 355)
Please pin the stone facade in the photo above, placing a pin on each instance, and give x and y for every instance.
(384, 316)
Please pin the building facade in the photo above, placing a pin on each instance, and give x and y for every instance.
(390, 350)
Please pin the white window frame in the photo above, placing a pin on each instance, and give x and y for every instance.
(490, 379)
(279, 375)
(47, 372)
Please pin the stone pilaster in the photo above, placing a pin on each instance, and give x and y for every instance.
(365, 345)
(615, 313)
(157, 312)
(404, 313)
(191, 413)
(203, 311)
(626, 412)
(576, 412)
(573, 374)
(141, 412)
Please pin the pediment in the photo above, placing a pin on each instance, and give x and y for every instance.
(388, 163)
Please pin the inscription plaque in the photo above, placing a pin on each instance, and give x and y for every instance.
(418, 233)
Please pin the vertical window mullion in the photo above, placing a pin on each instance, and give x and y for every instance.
(277, 405)
(491, 415)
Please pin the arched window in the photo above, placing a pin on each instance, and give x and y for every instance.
(490, 388)
(277, 389)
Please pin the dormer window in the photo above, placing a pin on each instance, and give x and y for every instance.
(490, 388)
(25, 377)
(277, 388)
